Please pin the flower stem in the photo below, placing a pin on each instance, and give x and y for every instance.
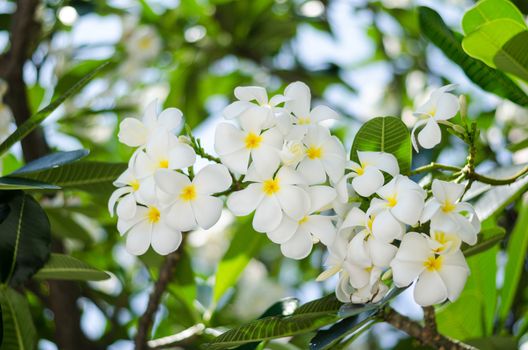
(435, 166)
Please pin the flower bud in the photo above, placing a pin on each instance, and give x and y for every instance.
(292, 153)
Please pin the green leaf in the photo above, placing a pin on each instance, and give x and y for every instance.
(13, 183)
(18, 330)
(85, 175)
(385, 134)
(488, 10)
(489, 79)
(245, 244)
(52, 160)
(35, 120)
(488, 44)
(487, 239)
(25, 238)
(494, 343)
(516, 253)
(328, 338)
(64, 267)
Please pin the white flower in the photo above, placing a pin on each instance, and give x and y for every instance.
(402, 201)
(254, 96)
(439, 277)
(337, 254)
(443, 243)
(271, 195)
(440, 106)
(292, 153)
(144, 44)
(366, 248)
(149, 226)
(373, 290)
(163, 151)
(191, 203)
(136, 133)
(298, 102)
(325, 155)
(448, 214)
(132, 189)
(236, 146)
(367, 175)
(297, 237)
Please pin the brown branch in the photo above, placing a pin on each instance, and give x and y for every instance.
(145, 322)
(430, 328)
(428, 337)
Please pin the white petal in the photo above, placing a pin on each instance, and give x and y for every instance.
(115, 196)
(147, 192)
(123, 225)
(321, 227)
(299, 97)
(138, 238)
(359, 277)
(320, 113)
(369, 182)
(294, 201)
(405, 272)
(150, 115)
(430, 208)
(143, 165)
(409, 207)
(430, 289)
(250, 93)
(288, 176)
(268, 215)
(386, 228)
(165, 239)
(447, 107)
(235, 109)
(207, 210)
(285, 231)
(355, 217)
(389, 189)
(413, 248)
(358, 253)
(277, 99)
(273, 138)
(334, 166)
(171, 182)
(299, 246)
(343, 288)
(228, 139)
(181, 217)
(253, 119)
(265, 157)
(413, 132)
(237, 161)
(181, 156)
(381, 253)
(213, 178)
(447, 191)
(342, 188)
(312, 170)
(381, 160)
(126, 208)
(243, 202)
(170, 119)
(430, 135)
(320, 196)
(132, 132)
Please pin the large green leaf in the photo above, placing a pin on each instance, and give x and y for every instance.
(35, 120)
(489, 79)
(65, 225)
(52, 160)
(64, 267)
(385, 134)
(18, 330)
(25, 237)
(488, 10)
(85, 175)
(488, 43)
(516, 253)
(487, 239)
(494, 343)
(327, 339)
(244, 246)
(13, 183)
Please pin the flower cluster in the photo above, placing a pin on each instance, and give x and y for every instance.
(278, 160)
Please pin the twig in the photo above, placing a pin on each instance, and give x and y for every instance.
(145, 322)
(497, 182)
(426, 337)
(435, 166)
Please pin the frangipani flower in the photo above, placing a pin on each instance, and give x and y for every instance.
(144, 44)
(441, 106)
(337, 253)
(443, 243)
(131, 190)
(402, 201)
(191, 203)
(149, 226)
(439, 277)
(236, 146)
(163, 151)
(365, 247)
(292, 153)
(325, 155)
(448, 214)
(251, 97)
(298, 102)
(297, 237)
(136, 133)
(372, 292)
(272, 194)
(367, 176)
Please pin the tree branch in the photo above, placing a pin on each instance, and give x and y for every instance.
(435, 166)
(426, 335)
(145, 322)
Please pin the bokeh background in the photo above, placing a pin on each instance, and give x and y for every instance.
(362, 58)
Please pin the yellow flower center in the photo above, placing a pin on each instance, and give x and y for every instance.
(164, 163)
(368, 268)
(448, 207)
(303, 220)
(144, 43)
(392, 201)
(314, 152)
(253, 140)
(432, 111)
(303, 120)
(153, 215)
(369, 223)
(271, 186)
(188, 193)
(433, 263)
(135, 185)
